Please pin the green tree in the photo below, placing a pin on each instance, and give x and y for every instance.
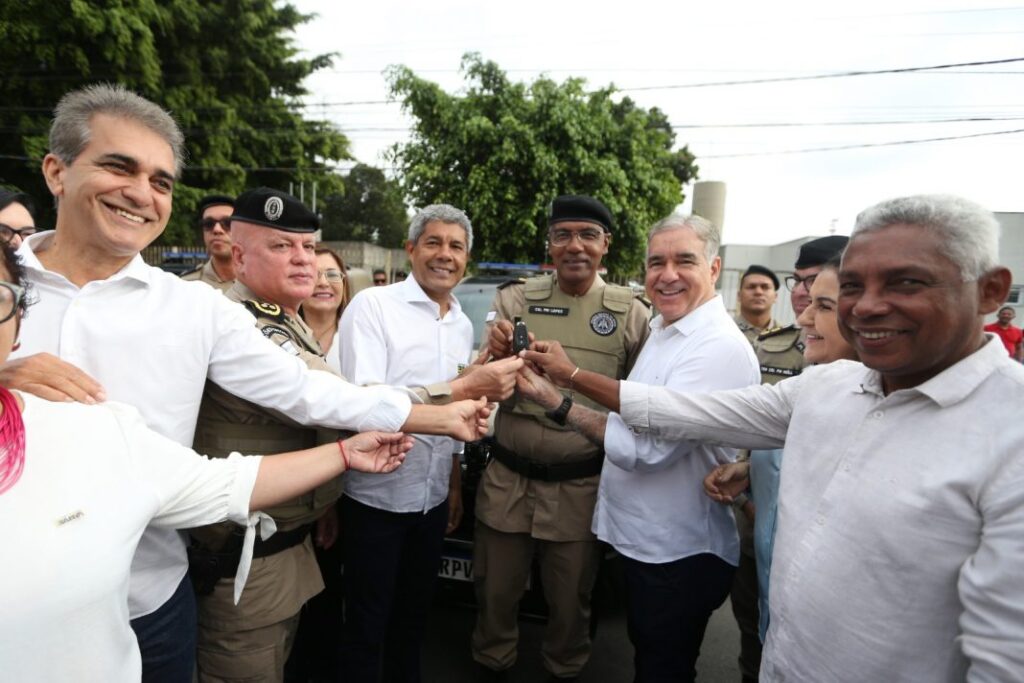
(503, 150)
(371, 204)
(227, 71)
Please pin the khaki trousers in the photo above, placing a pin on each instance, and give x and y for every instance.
(501, 568)
(254, 656)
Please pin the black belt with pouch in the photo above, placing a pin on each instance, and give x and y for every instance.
(542, 471)
(206, 567)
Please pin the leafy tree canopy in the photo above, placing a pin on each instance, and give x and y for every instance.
(370, 205)
(227, 71)
(502, 151)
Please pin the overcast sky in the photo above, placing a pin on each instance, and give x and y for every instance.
(644, 47)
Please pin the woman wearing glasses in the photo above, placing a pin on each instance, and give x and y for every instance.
(79, 483)
(323, 310)
(17, 211)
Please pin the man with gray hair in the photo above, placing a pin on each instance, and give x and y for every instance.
(901, 507)
(680, 549)
(153, 340)
(409, 333)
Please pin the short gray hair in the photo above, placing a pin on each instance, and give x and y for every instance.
(70, 131)
(705, 230)
(968, 233)
(445, 213)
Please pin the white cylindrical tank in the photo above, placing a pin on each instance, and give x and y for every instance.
(709, 201)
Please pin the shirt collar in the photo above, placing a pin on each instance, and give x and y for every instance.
(695, 319)
(410, 290)
(136, 269)
(955, 383)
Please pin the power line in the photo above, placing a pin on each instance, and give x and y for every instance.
(857, 146)
(818, 77)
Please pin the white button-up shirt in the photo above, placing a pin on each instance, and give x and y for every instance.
(396, 335)
(650, 504)
(151, 340)
(900, 537)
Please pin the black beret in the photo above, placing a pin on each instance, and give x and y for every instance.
(274, 209)
(8, 197)
(213, 200)
(755, 269)
(816, 252)
(573, 207)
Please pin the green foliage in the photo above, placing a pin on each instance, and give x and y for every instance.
(502, 151)
(227, 70)
(370, 204)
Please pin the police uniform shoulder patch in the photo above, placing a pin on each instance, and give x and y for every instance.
(281, 337)
(604, 323)
(261, 309)
(515, 281)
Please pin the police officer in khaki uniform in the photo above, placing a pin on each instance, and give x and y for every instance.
(214, 213)
(780, 351)
(538, 493)
(759, 288)
(273, 253)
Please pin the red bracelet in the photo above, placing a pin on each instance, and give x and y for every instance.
(344, 456)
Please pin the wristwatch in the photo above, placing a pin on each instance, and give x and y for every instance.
(559, 414)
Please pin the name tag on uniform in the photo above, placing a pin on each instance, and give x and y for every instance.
(549, 310)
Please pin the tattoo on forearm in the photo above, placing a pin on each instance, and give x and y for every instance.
(588, 422)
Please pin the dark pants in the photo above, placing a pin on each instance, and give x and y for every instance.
(314, 655)
(167, 638)
(668, 607)
(744, 608)
(391, 565)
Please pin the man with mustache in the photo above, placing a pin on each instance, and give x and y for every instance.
(537, 495)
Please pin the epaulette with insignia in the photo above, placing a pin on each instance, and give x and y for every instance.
(776, 331)
(262, 309)
(514, 281)
(642, 298)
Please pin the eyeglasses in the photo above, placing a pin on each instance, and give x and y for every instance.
(794, 281)
(7, 233)
(380, 280)
(11, 296)
(331, 275)
(208, 224)
(560, 238)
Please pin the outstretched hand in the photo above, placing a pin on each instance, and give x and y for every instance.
(551, 359)
(727, 481)
(537, 389)
(376, 451)
(496, 379)
(467, 420)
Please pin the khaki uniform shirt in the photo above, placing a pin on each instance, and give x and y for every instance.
(750, 331)
(602, 331)
(780, 351)
(281, 583)
(207, 274)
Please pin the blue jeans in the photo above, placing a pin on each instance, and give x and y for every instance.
(167, 638)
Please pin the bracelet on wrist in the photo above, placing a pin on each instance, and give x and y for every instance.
(344, 455)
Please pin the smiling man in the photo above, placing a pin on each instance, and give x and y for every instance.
(153, 340)
(214, 219)
(409, 333)
(901, 507)
(679, 549)
(273, 255)
(537, 495)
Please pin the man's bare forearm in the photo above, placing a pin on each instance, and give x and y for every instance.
(588, 422)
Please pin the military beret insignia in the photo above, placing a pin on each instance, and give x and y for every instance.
(603, 323)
